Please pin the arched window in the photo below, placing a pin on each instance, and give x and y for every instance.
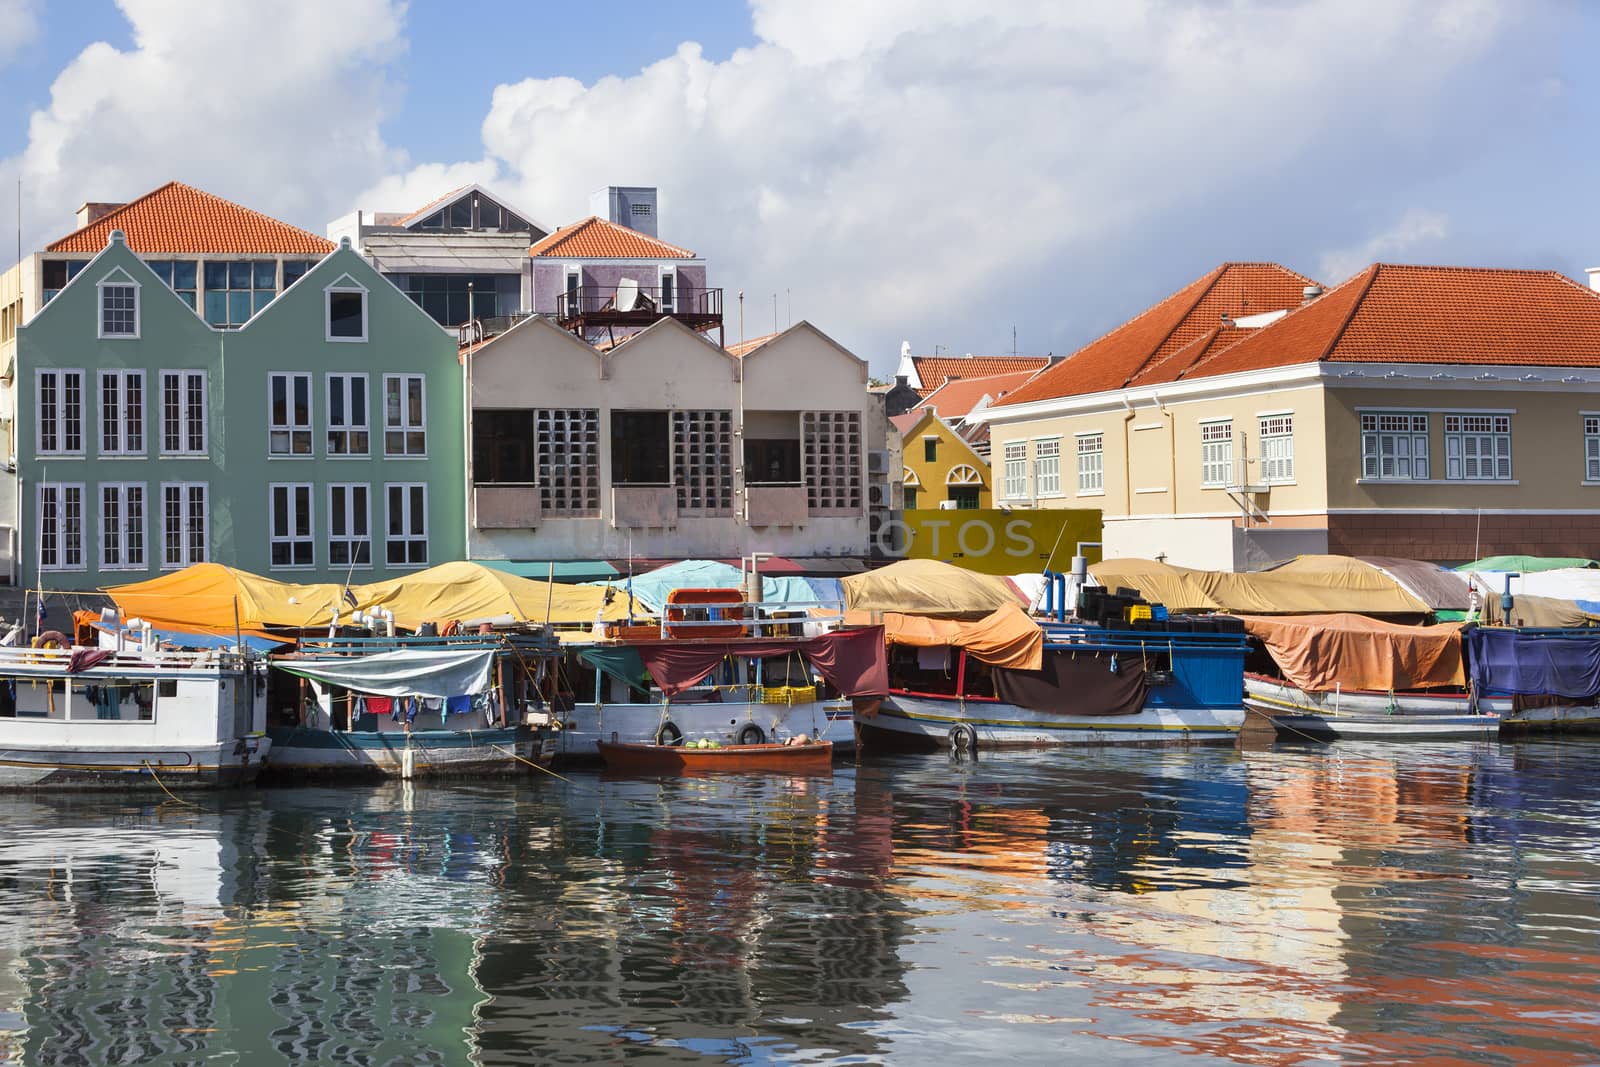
(964, 475)
(909, 477)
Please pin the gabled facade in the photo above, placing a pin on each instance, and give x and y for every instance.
(322, 437)
(667, 446)
(926, 374)
(1425, 412)
(942, 470)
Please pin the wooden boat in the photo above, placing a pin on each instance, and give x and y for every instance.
(812, 758)
(136, 717)
(1362, 715)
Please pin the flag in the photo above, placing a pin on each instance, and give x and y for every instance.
(349, 597)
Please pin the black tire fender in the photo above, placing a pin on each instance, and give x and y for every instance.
(963, 739)
(751, 734)
(669, 734)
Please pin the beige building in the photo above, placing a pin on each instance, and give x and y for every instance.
(1422, 412)
(667, 446)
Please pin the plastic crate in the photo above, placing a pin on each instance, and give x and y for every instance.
(789, 694)
(1159, 612)
(1139, 612)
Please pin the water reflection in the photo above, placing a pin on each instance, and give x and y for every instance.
(1268, 907)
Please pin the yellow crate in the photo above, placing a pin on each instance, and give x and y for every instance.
(1138, 611)
(789, 694)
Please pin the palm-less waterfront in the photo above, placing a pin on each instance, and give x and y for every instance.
(1280, 906)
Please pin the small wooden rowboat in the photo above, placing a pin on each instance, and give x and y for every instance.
(734, 759)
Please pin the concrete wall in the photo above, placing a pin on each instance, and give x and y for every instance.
(1209, 544)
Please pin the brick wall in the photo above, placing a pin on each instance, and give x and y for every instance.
(1461, 538)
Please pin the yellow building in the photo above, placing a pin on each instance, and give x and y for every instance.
(941, 469)
(1422, 412)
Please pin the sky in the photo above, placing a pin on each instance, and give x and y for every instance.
(965, 176)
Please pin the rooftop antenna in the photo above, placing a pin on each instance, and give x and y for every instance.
(774, 312)
(1013, 341)
(788, 294)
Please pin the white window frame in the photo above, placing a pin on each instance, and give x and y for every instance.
(296, 495)
(117, 279)
(1216, 453)
(1091, 448)
(1275, 438)
(290, 428)
(1016, 469)
(124, 439)
(668, 276)
(341, 524)
(345, 284)
(1047, 467)
(1399, 438)
(120, 533)
(1591, 446)
(410, 534)
(1466, 436)
(349, 427)
(184, 414)
(60, 527)
(60, 411)
(185, 556)
(403, 427)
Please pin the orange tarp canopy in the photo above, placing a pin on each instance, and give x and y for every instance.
(1318, 653)
(210, 598)
(1003, 638)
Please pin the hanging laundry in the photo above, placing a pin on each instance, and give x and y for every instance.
(380, 705)
(458, 705)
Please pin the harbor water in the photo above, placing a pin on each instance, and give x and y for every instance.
(1330, 903)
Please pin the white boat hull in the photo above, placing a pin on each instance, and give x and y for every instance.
(1368, 716)
(927, 722)
(587, 724)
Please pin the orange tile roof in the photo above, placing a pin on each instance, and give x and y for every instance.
(437, 201)
(933, 370)
(1402, 314)
(1165, 330)
(957, 396)
(598, 238)
(180, 219)
(905, 420)
(740, 349)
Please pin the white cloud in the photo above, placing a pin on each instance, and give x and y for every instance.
(1414, 232)
(275, 105)
(940, 170)
(19, 28)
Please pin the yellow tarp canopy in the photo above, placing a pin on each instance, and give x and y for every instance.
(471, 592)
(1304, 586)
(928, 587)
(202, 598)
(1004, 638)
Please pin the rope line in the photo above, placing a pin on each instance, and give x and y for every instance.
(163, 785)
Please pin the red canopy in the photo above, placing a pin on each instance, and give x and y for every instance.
(853, 661)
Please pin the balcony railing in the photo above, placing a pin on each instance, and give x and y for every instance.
(588, 306)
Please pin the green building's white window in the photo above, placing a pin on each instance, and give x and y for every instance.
(1394, 446)
(405, 423)
(183, 413)
(1091, 463)
(119, 308)
(406, 538)
(237, 289)
(346, 311)
(60, 527)
(288, 414)
(1047, 466)
(1277, 449)
(1216, 453)
(122, 529)
(349, 525)
(1477, 448)
(185, 524)
(59, 407)
(347, 415)
(122, 413)
(290, 525)
(1016, 470)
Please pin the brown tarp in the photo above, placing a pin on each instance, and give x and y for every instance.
(1537, 611)
(1440, 589)
(853, 661)
(1004, 638)
(1075, 684)
(928, 587)
(1318, 653)
(1307, 585)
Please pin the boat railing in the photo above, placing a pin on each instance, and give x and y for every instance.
(526, 644)
(1070, 636)
(753, 618)
(59, 659)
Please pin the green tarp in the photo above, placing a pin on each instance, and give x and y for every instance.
(622, 663)
(1528, 564)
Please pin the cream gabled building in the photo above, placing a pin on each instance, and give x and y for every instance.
(1426, 412)
(667, 446)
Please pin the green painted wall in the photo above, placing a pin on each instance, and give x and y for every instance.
(288, 335)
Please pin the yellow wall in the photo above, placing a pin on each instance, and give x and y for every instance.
(991, 541)
(950, 452)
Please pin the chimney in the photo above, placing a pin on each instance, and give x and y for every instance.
(1227, 320)
(1310, 293)
(91, 213)
(633, 206)
(900, 381)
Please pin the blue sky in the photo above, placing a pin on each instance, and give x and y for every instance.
(940, 171)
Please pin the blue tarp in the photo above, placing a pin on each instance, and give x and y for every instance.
(1513, 662)
(184, 639)
(651, 588)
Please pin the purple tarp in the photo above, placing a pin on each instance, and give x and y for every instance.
(1511, 662)
(853, 661)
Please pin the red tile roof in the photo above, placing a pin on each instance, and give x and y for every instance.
(1402, 314)
(181, 219)
(933, 370)
(1192, 315)
(597, 238)
(904, 421)
(957, 396)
